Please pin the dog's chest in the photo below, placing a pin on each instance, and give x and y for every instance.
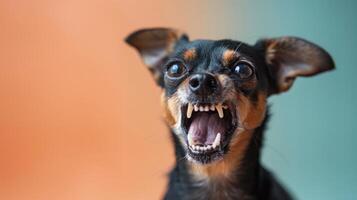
(217, 190)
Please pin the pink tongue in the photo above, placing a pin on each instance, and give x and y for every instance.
(205, 126)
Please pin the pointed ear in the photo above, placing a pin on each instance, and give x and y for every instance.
(290, 57)
(154, 46)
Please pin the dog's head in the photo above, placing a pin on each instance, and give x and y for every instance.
(213, 91)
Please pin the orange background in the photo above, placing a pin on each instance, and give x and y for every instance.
(79, 113)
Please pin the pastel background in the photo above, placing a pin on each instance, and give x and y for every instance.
(80, 116)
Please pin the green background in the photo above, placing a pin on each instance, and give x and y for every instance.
(311, 141)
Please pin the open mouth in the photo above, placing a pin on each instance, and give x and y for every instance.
(209, 129)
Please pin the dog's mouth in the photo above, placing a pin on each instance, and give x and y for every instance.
(209, 129)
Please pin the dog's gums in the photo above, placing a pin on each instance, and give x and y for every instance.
(208, 128)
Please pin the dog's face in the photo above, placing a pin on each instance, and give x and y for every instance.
(216, 91)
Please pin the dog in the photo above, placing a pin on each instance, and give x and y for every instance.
(215, 102)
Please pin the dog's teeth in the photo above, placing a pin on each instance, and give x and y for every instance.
(225, 107)
(208, 147)
(212, 108)
(196, 108)
(220, 110)
(202, 108)
(217, 140)
(189, 111)
(207, 108)
(190, 140)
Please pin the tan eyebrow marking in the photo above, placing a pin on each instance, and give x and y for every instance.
(189, 54)
(228, 56)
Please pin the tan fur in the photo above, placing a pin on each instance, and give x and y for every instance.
(172, 104)
(250, 84)
(228, 56)
(251, 116)
(170, 109)
(189, 54)
(223, 79)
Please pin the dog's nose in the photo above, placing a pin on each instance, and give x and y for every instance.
(203, 84)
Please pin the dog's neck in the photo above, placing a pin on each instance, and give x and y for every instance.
(233, 178)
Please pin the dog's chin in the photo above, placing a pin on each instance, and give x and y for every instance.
(209, 129)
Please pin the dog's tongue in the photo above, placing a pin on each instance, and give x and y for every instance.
(205, 126)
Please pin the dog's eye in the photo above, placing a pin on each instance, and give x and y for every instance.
(176, 70)
(243, 70)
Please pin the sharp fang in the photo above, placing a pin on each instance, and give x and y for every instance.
(189, 110)
(202, 109)
(217, 140)
(213, 108)
(190, 140)
(220, 110)
(206, 108)
(196, 108)
(225, 107)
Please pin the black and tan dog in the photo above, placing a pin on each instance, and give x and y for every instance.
(215, 101)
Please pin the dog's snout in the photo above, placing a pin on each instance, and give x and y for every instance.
(203, 84)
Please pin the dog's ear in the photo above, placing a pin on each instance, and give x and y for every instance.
(154, 46)
(290, 57)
